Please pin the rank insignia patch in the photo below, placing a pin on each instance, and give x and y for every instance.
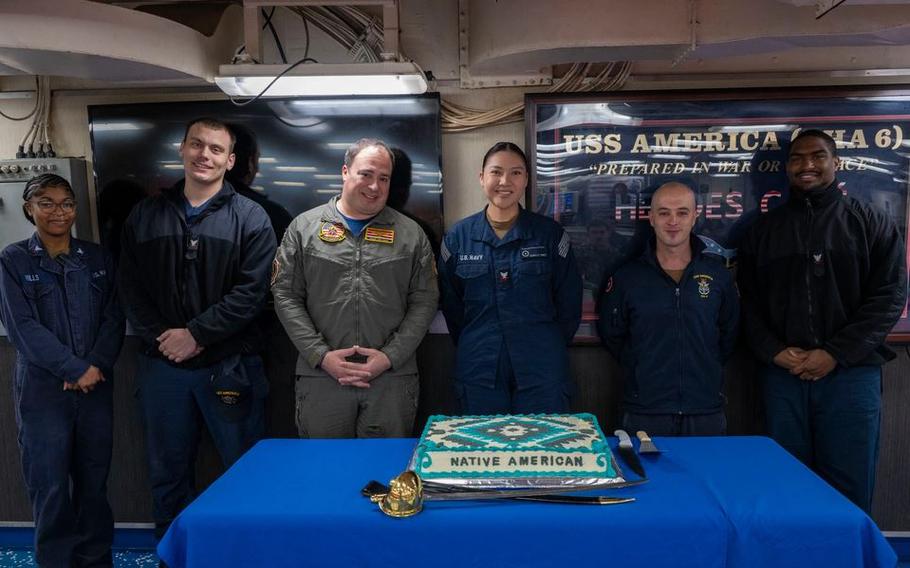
(704, 284)
(331, 232)
(377, 235)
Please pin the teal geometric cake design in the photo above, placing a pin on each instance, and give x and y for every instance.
(522, 440)
(513, 432)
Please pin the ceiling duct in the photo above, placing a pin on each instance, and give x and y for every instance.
(90, 40)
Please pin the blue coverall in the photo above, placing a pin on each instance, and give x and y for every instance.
(62, 316)
(512, 306)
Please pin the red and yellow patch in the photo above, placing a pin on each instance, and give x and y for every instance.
(377, 235)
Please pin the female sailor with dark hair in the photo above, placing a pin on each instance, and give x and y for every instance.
(58, 306)
(511, 295)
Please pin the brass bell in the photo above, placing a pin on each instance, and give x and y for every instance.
(405, 496)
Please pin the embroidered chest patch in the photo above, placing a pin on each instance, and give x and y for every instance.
(331, 232)
(534, 252)
(377, 235)
(704, 284)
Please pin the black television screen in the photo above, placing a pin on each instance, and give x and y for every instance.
(301, 150)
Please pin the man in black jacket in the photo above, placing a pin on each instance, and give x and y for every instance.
(823, 280)
(669, 317)
(194, 274)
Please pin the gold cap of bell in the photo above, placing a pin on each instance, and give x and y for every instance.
(405, 496)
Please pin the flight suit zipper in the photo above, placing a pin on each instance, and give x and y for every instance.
(357, 286)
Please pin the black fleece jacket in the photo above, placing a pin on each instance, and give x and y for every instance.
(823, 270)
(210, 275)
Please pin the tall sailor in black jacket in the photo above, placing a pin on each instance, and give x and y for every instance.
(823, 279)
(669, 317)
(194, 275)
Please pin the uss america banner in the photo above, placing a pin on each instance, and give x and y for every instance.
(596, 160)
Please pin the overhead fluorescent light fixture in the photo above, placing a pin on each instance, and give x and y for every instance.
(321, 79)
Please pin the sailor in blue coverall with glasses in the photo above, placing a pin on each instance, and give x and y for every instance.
(511, 296)
(58, 305)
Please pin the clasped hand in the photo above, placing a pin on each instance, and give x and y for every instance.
(808, 365)
(178, 345)
(87, 382)
(353, 374)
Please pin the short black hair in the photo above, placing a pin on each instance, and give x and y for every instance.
(815, 133)
(214, 124)
(506, 147)
(40, 183)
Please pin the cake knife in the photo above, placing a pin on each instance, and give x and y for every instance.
(627, 453)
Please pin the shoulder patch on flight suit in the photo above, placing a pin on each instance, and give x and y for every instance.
(276, 268)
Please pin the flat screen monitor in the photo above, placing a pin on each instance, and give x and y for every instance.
(301, 146)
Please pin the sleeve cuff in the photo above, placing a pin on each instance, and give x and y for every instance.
(197, 333)
(393, 359)
(837, 354)
(771, 349)
(315, 357)
(74, 368)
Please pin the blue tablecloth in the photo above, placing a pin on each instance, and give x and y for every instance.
(736, 501)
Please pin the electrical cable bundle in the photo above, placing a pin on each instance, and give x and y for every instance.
(37, 140)
(354, 29)
(457, 118)
(360, 34)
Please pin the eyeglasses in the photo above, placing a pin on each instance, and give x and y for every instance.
(48, 206)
